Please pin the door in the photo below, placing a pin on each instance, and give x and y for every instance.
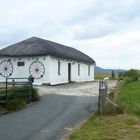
(69, 72)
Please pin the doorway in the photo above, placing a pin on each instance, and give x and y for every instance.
(69, 72)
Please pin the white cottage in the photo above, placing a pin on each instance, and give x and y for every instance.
(48, 62)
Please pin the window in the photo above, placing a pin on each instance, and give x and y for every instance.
(20, 63)
(79, 69)
(59, 65)
(88, 69)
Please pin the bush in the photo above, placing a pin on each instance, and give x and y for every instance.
(131, 75)
(15, 104)
(120, 75)
(18, 97)
(35, 96)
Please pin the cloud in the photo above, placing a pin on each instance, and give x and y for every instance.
(108, 30)
(118, 51)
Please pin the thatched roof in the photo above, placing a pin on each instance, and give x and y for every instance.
(39, 47)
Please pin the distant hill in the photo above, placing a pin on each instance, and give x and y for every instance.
(101, 70)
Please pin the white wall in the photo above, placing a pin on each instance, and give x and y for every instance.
(54, 77)
(51, 70)
(63, 78)
(83, 72)
(23, 71)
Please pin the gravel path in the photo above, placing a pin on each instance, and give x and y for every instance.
(75, 89)
(54, 114)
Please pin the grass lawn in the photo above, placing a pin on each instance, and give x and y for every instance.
(124, 126)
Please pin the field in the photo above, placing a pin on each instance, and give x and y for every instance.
(124, 126)
(104, 75)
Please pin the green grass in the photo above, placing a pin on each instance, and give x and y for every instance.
(129, 97)
(110, 126)
(101, 76)
(119, 127)
(17, 97)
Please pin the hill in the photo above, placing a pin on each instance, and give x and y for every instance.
(101, 70)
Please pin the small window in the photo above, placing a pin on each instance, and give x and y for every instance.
(88, 69)
(20, 63)
(79, 69)
(59, 65)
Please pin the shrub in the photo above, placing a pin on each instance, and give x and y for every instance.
(131, 75)
(35, 96)
(15, 104)
(120, 75)
(18, 97)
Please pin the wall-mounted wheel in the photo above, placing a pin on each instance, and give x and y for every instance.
(6, 68)
(37, 69)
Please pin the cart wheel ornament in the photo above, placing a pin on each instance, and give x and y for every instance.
(6, 68)
(37, 69)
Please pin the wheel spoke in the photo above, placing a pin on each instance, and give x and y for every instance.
(6, 68)
(37, 69)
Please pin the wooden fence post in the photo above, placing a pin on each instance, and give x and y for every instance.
(6, 89)
(30, 90)
(106, 86)
(13, 82)
(31, 80)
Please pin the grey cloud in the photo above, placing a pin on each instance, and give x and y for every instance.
(119, 14)
(46, 18)
(92, 33)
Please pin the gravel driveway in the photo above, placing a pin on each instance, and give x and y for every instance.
(75, 89)
(60, 108)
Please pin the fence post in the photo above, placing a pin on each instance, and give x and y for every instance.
(31, 80)
(6, 89)
(102, 95)
(30, 91)
(13, 82)
(106, 86)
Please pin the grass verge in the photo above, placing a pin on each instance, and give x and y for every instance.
(17, 98)
(115, 126)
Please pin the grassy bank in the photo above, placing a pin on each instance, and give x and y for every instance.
(129, 97)
(16, 98)
(124, 126)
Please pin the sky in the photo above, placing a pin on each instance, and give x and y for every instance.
(106, 30)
